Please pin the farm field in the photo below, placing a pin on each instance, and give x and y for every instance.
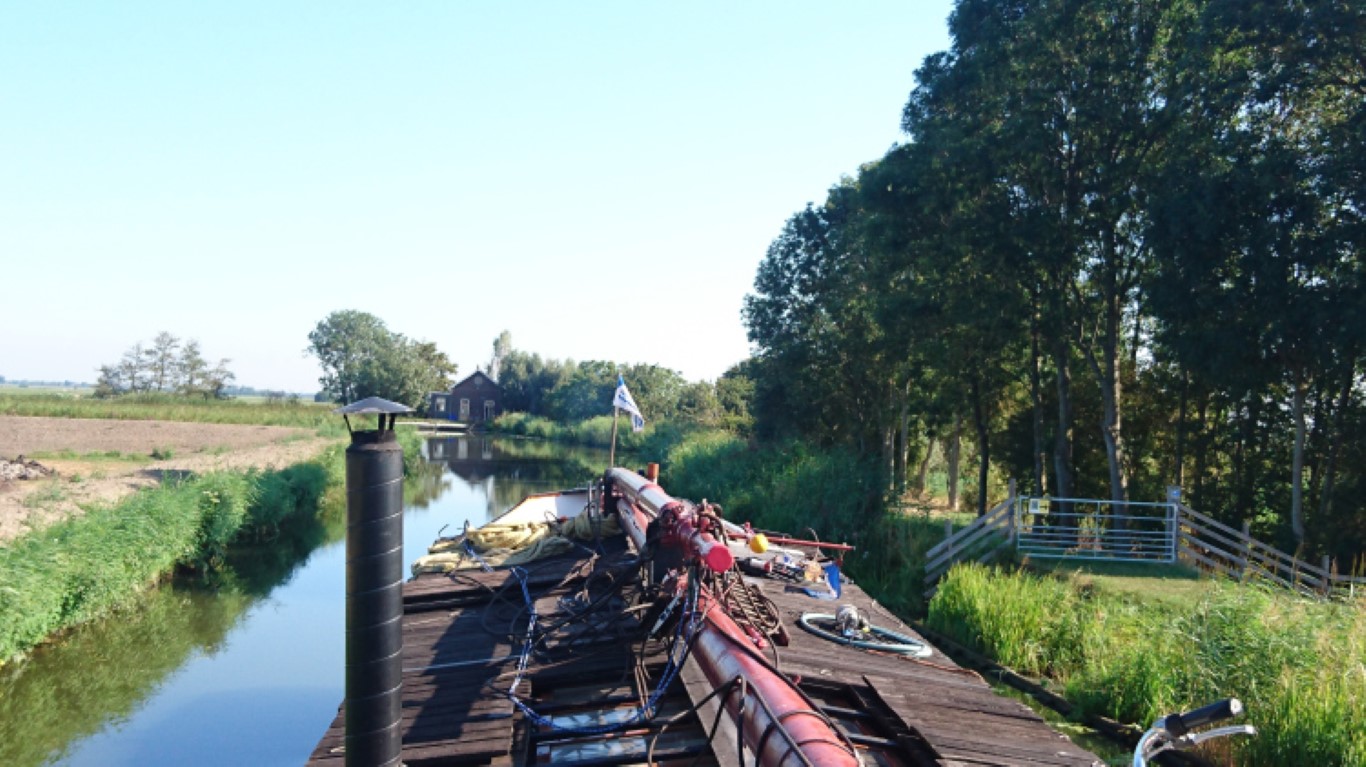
(99, 461)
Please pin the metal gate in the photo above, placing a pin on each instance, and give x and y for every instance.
(1087, 528)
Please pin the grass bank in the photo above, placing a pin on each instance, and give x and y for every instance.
(656, 439)
(81, 568)
(86, 566)
(165, 407)
(793, 487)
(1298, 665)
(1128, 645)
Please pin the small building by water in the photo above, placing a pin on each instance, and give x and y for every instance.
(476, 400)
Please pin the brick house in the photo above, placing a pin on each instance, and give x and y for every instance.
(475, 400)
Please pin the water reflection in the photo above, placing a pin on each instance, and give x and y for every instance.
(246, 668)
(506, 470)
(99, 675)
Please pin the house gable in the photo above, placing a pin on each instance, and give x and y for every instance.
(475, 399)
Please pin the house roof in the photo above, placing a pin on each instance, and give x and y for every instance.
(471, 377)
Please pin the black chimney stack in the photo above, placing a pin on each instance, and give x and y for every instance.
(374, 588)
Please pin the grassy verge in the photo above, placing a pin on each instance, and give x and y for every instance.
(1299, 666)
(81, 568)
(655, 440)
(162, 407)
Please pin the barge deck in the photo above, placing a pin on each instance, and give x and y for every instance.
(458, 665)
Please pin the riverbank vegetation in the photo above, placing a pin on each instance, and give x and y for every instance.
(566, 392)
(1299, 666)
(655, 440)
(105, 669)
(1129, 644)
(81, 568)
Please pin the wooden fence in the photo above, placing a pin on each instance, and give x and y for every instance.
(1212, 545)
(984, 539)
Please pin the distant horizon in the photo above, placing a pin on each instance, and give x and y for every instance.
(10, 381)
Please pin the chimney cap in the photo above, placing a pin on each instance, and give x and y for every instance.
(374, 405)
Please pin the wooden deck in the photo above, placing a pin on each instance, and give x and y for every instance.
(903, 711)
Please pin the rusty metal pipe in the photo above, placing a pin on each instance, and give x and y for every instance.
(723, 653)
(721, 660)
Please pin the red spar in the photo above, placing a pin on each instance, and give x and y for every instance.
(723, 651)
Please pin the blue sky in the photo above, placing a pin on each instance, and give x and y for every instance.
(600, 179)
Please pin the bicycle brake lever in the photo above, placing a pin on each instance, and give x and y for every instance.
(1197, 738)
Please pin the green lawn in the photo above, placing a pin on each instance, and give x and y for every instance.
(1159, 585)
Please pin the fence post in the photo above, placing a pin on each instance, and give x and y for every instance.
(1173, 532)
(1173, 528)
(1012, 508)
(1247, 550)
(1327, 575)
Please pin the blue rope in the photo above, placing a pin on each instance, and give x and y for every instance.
(689, 616)
(484, 565)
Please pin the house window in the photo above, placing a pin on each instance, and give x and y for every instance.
(440, 404)
(464, 409)
(488, 410)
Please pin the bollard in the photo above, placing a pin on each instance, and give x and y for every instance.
(374, 589)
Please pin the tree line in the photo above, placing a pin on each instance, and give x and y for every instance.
(1122, 249)
(167, 365)
(569, 391)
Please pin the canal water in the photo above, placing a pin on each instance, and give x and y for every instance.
(248, 669)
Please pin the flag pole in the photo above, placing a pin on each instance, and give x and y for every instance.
(612, 452)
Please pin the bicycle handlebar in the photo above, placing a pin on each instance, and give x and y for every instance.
(1180, 724)
(1174, 731)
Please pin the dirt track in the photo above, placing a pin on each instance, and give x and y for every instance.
(83, 481)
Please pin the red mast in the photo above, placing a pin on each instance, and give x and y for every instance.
(778, 723)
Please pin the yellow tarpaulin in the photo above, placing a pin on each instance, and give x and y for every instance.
(514, 544)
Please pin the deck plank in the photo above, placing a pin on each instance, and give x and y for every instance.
(455, 710)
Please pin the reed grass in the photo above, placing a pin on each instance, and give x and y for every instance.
(1296, 664)
(84, 567)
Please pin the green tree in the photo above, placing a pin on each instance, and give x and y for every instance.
(360, 357)
(502, 347)
(165, 366)
(161, 359)
(527, 380)
(192, 370)
(657, 390)
(584, 393)
(1259, 214)
(735, 395)
(698, 404)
